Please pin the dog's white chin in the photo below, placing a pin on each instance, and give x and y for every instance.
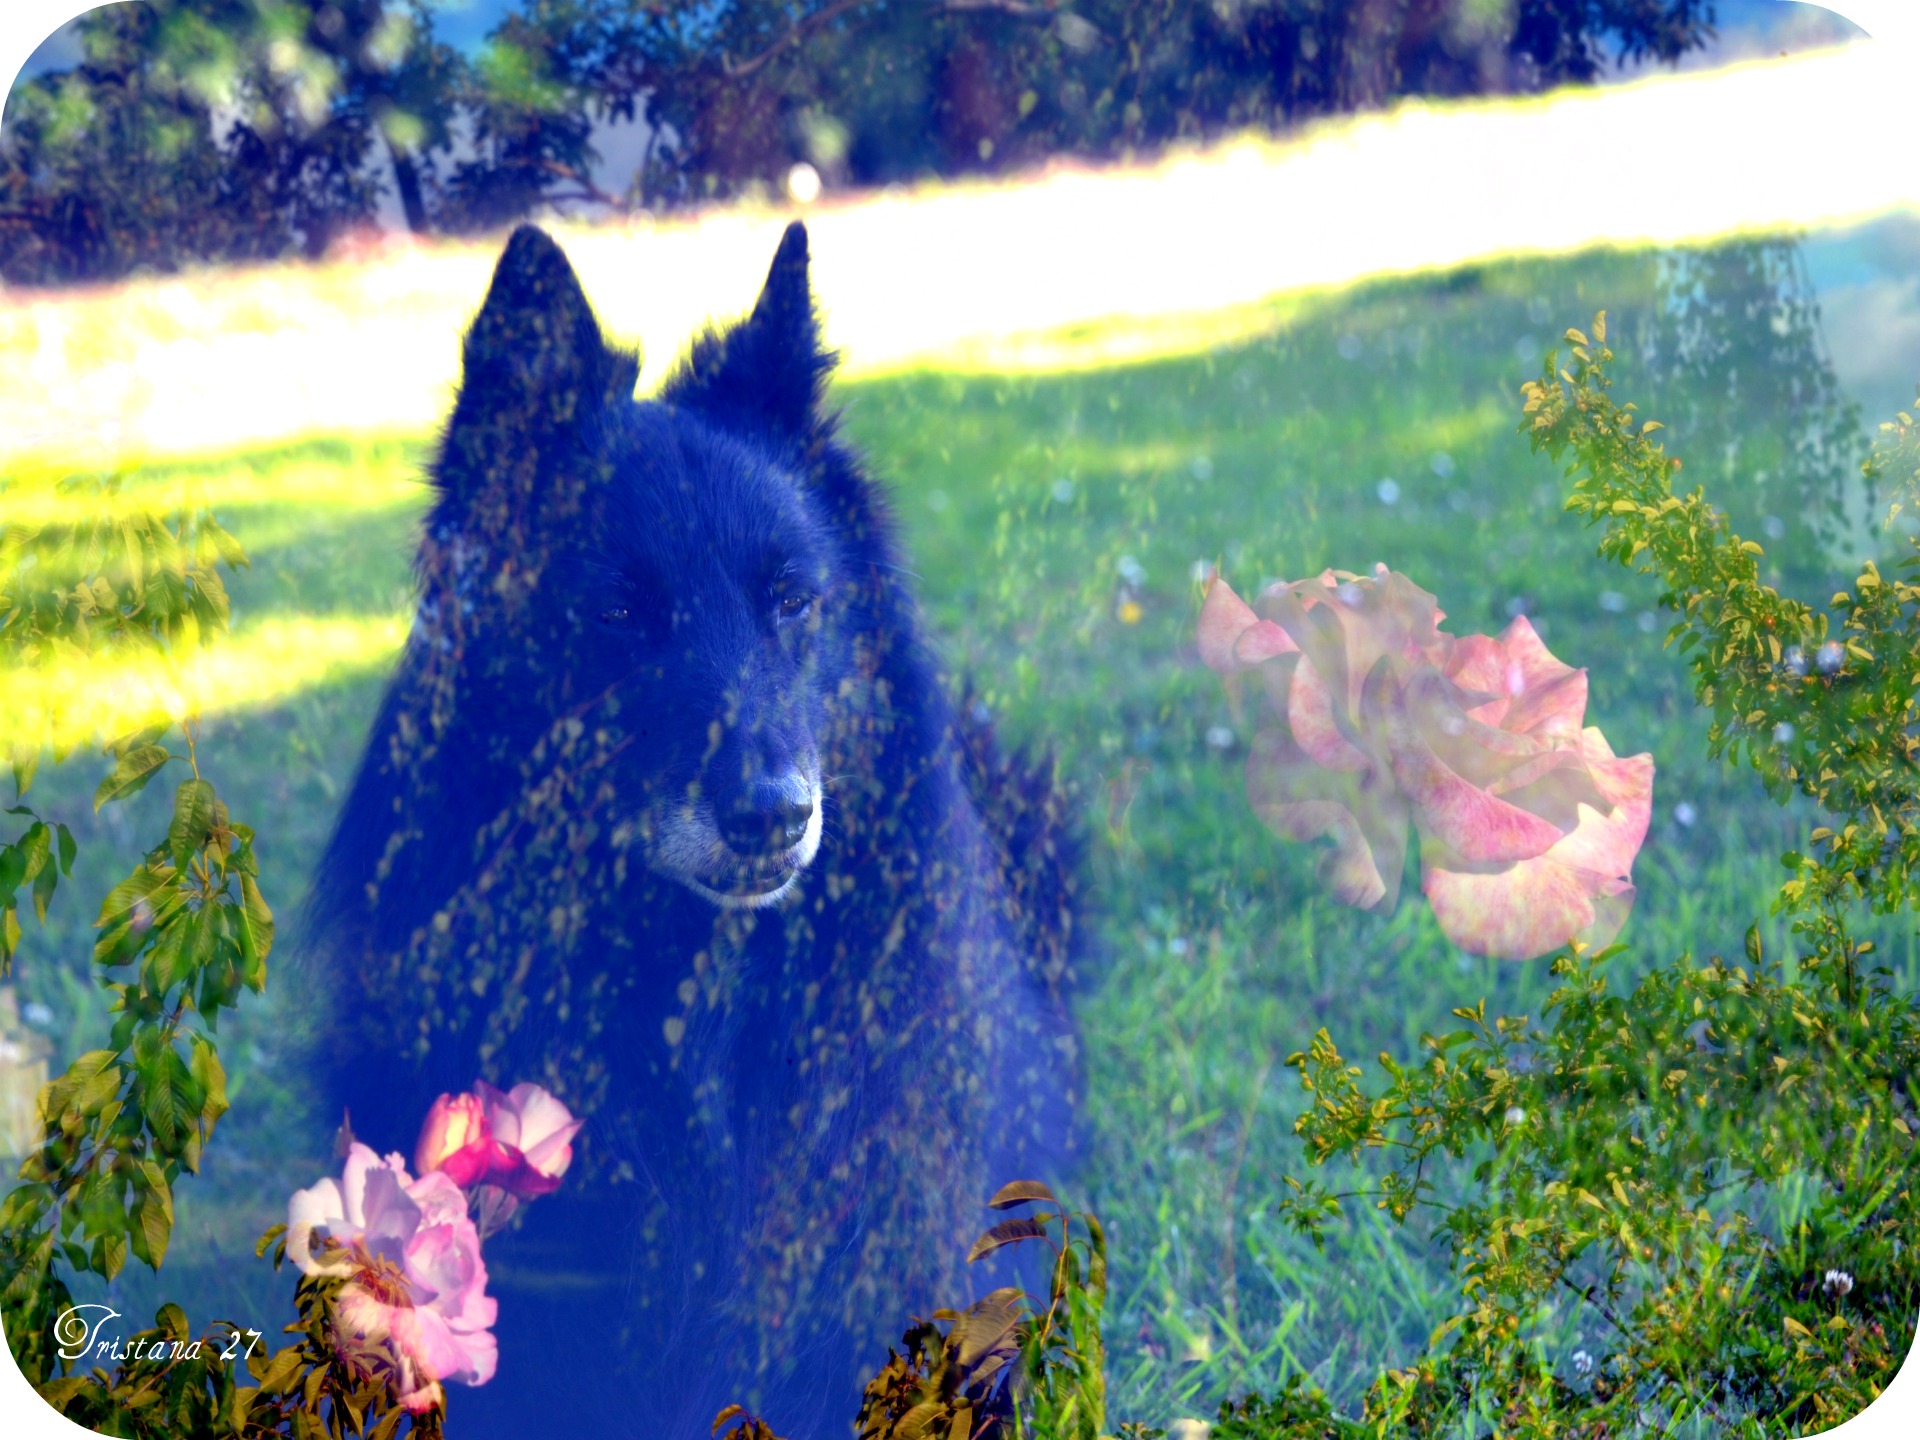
(755, 901)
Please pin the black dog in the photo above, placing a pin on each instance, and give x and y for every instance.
(668, 809)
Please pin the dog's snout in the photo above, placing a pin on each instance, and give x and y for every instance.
(772, 817)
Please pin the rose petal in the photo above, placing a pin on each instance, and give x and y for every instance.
(1472, 824)
(1478, 667)
(541, 1114)
(1316, 729)
(1365, 819)
(1525, 909)
(554, 1154)
(320, 1209)
(1549, 696)
(361, 1161)
(392, 1215)
(440, 1198)
(1607, 842)
(1230, 636)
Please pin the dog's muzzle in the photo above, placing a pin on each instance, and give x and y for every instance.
(750, 854)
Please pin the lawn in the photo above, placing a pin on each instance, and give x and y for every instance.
(1060, 517)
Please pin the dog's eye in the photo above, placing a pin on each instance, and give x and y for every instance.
(618, 616)
(792, 607)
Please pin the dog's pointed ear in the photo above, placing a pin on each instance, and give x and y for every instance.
(768, 372)
(535, 362)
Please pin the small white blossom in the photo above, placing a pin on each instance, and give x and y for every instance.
(1582, 1363)
(1837, 1284)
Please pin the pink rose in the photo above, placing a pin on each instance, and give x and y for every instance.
(1528, 823)
(455, 1139)
(414, 1310)
(533, 1134)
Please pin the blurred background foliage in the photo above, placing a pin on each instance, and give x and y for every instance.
(221, 130)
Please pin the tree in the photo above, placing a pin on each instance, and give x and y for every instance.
(211, 130)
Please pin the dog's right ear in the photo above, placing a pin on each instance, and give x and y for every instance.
(535, 362)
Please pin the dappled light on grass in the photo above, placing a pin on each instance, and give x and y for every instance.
(82, 700)
(1135, 263)
(378, 476)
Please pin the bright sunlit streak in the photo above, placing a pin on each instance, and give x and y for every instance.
(1144, 260)
(78, 702)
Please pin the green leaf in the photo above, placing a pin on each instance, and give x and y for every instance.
(43, 884)
(192, 817)
(255, 930)
(153, 1225)
(161, 1100)
(144, 883)
(110, 1254)
(168, 960)
(131, 775)
(34, 849)
(276, 1372)
(1020, 1192)
(240, 1407)
(67, 849)
(99, 1090)
(212, 1079)
(228, 547)
(121, 746)
(25, 763)
(1007, 1232)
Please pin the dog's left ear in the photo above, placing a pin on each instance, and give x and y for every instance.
(535, 363)
(766, 373)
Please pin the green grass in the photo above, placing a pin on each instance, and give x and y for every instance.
(1021, 496)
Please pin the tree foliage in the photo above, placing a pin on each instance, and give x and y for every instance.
(222, 130)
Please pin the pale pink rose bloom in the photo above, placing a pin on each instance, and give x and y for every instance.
(417, 1284)
(533, 1138)
(1376, 720)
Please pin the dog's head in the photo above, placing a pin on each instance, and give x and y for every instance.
(673, 574)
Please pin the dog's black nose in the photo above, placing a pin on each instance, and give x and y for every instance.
(773, 818)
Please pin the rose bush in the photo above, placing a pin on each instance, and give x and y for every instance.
(1375, 720)
(414, 1309)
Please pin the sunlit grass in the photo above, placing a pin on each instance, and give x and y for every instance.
(381, 477)
(75, 702)
(1063, 271)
